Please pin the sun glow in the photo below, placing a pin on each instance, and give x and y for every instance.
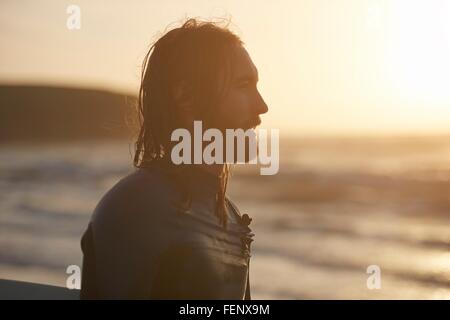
(419, 50)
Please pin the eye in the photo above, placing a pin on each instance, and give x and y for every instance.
(245, 84)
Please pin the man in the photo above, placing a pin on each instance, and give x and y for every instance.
(168, 231)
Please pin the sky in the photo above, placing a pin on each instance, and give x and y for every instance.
(325, 66)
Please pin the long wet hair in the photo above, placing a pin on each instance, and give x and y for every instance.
(197, 54)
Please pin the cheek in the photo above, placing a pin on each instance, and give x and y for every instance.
(233, 111)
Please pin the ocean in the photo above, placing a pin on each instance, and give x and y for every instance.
(337, 207)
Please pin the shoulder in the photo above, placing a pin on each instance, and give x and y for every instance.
(145, 194)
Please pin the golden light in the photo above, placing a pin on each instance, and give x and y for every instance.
(419, 50)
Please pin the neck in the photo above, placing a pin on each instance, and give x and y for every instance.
(215, 169)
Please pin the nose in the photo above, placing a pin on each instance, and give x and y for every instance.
(261, 106)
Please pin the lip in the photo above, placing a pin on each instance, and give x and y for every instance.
(252, 124)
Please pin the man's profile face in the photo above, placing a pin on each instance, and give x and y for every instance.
(242, 105)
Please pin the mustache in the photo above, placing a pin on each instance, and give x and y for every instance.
(252, 123)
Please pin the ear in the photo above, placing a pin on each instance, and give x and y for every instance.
(182, 97)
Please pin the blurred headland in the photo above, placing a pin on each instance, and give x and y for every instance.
(47, 113)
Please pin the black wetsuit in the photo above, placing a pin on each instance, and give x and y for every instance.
(141, 243)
